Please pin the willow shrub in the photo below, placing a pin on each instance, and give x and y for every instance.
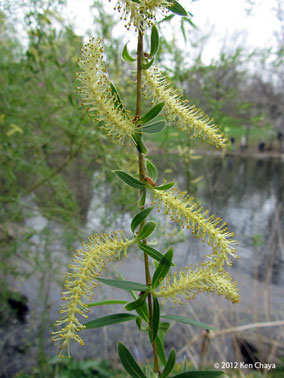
(103, 103)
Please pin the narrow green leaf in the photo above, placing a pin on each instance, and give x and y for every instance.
(170, 364)
(151, 114)
(139, 218)
(147, 230)
(166, 186)
(167, 18)
(147, 65)
(152, 170)
(177, 8)
(137, 139)
(153, 128)
(139, 302)
(139, 323)
(110, 319)
(163, 268)
(125, 285)
(156, 318)
(190, 22)
(107, 302)
(129, 180)
(183, 319)
(164, 327)
(142, 198)
(155, 40)
(143, 312)
(161, 348)
(183, 370)
(182, 28)
(126, 56)
(200, 374)
(129, 363)
(154, 253)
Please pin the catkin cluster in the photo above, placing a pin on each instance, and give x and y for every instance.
(210, 276)
(88, 263)
(141, 13)
(188, 213)
(178, 111)
(96, 93)
(196, 280)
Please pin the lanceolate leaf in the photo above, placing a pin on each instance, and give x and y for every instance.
(139, 302)
(167, 18)
(183, 319)
(142, 311)
(199, 374)
(110, 319)
(152, 170)
(151, 114)
(156, 318)
(139, 218)
(142, 198)
(154, 253)
(125, 285)
(129, 363)
(107, 302)
(166, 186)
(139, 143)
(154, 40)
(147, 230)
(147, 65)
(162, 269)
(160, 348)
(177, 9)
(190, 22)
(126, 56)
(164, 327)
(129, 180)
(153, 128)
(170, 364)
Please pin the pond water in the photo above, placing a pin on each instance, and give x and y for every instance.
(246, 193)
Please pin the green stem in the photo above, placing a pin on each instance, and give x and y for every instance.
(142, 175)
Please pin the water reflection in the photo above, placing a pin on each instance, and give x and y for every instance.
(248, 194)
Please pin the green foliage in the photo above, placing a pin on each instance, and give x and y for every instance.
(129, 363)
(109, 319)
(76, 368)
(162, 269)
(183, 319)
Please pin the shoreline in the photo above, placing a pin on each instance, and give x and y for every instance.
(265, 155)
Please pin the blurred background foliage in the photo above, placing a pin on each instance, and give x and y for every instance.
(50, 148)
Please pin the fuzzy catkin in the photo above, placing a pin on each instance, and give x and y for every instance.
(96, 94)
(196, 280)
(88, 263)
(178, 111)
(141, 14)
(188, 213)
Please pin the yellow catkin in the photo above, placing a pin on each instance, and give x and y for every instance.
(96, 94)
(188, 213)
(142, 13)
(196, 280)
(88, 263)
(178, 111)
